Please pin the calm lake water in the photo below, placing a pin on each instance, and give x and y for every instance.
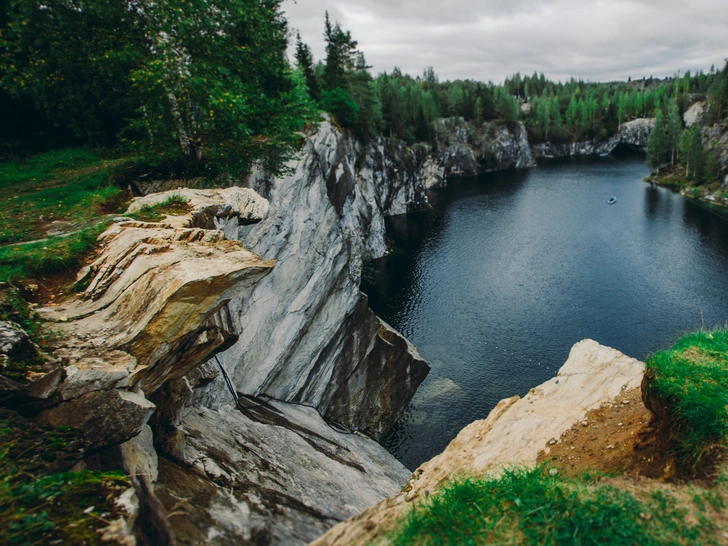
(511, 269)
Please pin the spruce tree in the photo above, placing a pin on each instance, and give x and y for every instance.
(674, 130)
(304, 58)
(657, 145)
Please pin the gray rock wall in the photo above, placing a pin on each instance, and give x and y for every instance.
(634, 133)
(468, 149)
(306, 334)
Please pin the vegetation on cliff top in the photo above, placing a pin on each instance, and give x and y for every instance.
(406, 107)
(174, 79)
(686, 387)
(691, 155)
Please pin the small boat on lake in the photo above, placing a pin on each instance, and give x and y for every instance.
(612, 200)
(606, 154)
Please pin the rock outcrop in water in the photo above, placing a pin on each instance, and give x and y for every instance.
(268, 286)
(513, 434)
(633, 134)
(469, 149)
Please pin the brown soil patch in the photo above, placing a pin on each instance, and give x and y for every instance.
(616, 438)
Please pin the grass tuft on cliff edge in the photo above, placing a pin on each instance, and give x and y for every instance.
(686, 388)
(174, 205)
(528, 506)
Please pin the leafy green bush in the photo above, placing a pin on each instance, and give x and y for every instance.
(686, 387)
(339, 103)
(532, 507)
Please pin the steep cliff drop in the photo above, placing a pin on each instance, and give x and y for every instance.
(264, 287)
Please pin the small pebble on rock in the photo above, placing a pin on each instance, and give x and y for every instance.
(610, 446)
(584, 423)
(553, 472)
(552, 442)
(625, 401)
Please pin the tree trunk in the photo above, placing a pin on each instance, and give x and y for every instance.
(184, 140)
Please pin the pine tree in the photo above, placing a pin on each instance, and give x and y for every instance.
(556, 112)
(304, 58)
(674, 130)
(695, 155)
(657, 145)
(340, 55)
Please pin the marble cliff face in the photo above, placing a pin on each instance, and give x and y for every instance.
(266, 285)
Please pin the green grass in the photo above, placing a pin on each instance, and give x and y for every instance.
(55, 254)
(689, 386)
(530, 507)
(44, 166)
(66, 190)
(40, 501)
(175, 205)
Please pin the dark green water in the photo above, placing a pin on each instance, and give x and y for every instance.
(511, 269)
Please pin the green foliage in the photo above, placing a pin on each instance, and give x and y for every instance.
(339, 103)
(340, 55)
(531, 507)
(673, 129)
(206, 84)
(693, 152)
(718, 95)
(690, 382)
(658, 145)
(304, 59)
(73, 61)
(174, 205)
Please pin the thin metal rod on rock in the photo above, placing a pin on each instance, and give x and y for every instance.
(229, 383)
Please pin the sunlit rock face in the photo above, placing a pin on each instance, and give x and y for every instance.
(306, 334)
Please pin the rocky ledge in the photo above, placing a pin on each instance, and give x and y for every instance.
(514, 433)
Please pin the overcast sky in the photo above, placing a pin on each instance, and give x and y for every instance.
(596, 40)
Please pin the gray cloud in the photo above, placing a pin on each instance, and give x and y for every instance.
(492, 39)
